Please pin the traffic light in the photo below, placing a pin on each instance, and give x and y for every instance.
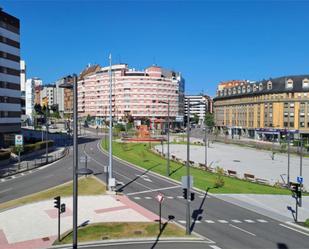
(192, 196)
(57, 202)
(296, 189)
(185, 193)
(62, 208)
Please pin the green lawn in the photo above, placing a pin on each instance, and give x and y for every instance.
(306, 223)
(117, 230)
(140, 154)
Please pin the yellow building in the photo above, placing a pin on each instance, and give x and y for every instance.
(267, 109)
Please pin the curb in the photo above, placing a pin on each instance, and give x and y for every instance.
(297, 226)
(135, 241)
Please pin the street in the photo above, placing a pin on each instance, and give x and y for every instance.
(228, 225)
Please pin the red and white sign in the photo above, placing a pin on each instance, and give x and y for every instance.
(160, 197)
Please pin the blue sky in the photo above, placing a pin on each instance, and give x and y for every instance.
(207, 41)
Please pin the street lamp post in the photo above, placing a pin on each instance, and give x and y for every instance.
(168, 136)
(288, 173)
(75, 161)
(188, 214)
(110, 165)
(46, 137)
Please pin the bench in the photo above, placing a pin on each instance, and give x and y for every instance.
(191, 162)
(232, 173)
(261, 180)
(249, 177)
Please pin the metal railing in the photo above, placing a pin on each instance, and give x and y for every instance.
(25, 166)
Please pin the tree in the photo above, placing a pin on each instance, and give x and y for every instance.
(195, 118)
(209, 120)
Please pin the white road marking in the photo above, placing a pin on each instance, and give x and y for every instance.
(137, 198)
(2, 180)
(250, 221)
(222, 221)
(294, 229)
(180, 197)
(5, 190)
(243, 230)
(170, 197)
(152, 190)
(215, 247)
(262, 221)
(236, 221)
(209, 221)
(148, 197)
(197, 221)
(182, 221)
(201, 196)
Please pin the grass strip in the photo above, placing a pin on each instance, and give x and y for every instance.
(86, 186)
(120, 230)
(141, 155)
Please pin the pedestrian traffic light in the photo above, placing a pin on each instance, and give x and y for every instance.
(62, 208)
(185, 193)
(192, 196)
(57, 202)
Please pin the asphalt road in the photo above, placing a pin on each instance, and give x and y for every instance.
(228, 226)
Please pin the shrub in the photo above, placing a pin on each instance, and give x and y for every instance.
(219, 182)
(33, 147)
(307, 223)
(5, 155)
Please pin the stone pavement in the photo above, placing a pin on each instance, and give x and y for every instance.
(244, 160)
(35, 225)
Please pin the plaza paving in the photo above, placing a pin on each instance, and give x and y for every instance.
(35, 225)
(245, 160)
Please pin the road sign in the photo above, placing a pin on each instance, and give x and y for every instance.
(112, 182)
(160, 197)
(19, 139)
(184, 182)
(300, 179)
(179, 119)
(84, 159)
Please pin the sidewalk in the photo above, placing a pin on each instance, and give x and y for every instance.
(35, 225)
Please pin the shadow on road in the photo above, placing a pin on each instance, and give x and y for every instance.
(197, 213)
(133, 180)
(170, 217)
(282, 246)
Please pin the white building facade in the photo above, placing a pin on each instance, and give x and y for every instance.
(199, 105)
(10, 94)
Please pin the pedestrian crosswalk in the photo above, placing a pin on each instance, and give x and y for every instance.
(227, 221)
(166, 197)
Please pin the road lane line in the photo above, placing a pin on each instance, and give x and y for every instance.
(114, 171)
(5, 190)
(222, 221)
(136, 198)
(236, 221)
(148, 197)
(182, 221)
(209, 221)
(152, 190)
(294, 229)
(262, 221)
(215, 247)
(250, 221)
(243, 230)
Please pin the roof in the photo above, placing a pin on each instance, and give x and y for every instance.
(278, 85)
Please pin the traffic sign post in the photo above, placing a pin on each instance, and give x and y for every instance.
(19, 142)
(160, 198)
(296, 190)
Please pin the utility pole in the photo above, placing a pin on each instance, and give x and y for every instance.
(110, 166)
(168, 139)
(288, 174)
(75, 161)
(46, 136)
(188, 214)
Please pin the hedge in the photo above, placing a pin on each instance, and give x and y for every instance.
(33, 147)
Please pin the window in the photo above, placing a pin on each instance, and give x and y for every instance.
(269, 85)
(306, 83)
(261, 87)
(254, 88)
(289, 84)
(291, 124)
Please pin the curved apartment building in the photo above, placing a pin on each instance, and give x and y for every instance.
(266, 110)
(135, 93)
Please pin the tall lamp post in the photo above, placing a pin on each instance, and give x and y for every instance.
(168, 135)
(46, 136)
(110, 165)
